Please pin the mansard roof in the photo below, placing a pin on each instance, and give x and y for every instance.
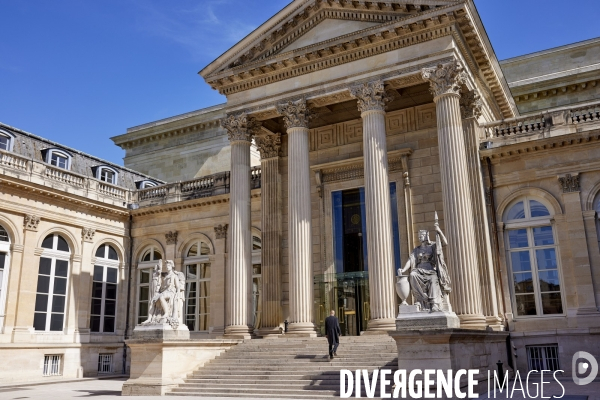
(310, 35)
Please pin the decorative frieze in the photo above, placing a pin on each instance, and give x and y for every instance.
(569, 183)
(87, 234)
(221, 231)
(268, 145)
(240, 127)
(31, 222)
(171, 237)
(296, 113)
(371, 96)
(445, 78)
(470, 105)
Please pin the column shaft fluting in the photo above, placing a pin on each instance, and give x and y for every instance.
(380, 247)
(446, 82)
(296, 117)
(238, 319)
(271, 234)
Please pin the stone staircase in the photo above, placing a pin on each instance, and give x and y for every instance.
(288, 368)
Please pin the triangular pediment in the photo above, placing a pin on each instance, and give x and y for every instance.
(306, 22)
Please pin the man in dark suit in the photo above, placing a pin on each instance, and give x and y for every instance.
(333, 332)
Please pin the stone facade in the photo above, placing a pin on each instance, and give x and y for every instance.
(328, 97)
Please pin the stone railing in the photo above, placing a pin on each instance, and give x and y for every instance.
(16, 166)
(14, 161)
(155, 192)
(66, 177)
(553, 122)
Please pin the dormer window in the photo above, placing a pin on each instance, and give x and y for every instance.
(6, 141)
(146, 184)
(107, 174)
(58, 158)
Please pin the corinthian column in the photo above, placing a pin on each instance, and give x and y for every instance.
(238, 284)
(269, 146)
(446, 81)
(470, 109)
(371, 104)
(296, 116)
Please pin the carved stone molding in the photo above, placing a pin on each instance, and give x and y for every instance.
(240, 127)
(31, 222)
(569, 183)
(445, 78)
(87, 234)
(171, 237)
(470, 105)
(221, 231)
(371, 96)
(296, 113)
(268, 145)
(330, 99)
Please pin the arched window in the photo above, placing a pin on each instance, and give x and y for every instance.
(197, 291)
(6, 141)
(4, 265)
(104, 290)
(58, 158)
(107, 174)
(53, 279)
(149, 258)
(532, 255)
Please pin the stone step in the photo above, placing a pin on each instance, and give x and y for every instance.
(328, 375)
(299, 385)
(300, 360)
(303, 395)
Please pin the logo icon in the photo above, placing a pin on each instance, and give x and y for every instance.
(581, 367)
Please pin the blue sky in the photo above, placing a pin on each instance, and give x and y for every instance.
(79, 72)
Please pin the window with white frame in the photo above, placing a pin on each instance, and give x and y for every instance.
(197, 291)
(543, 358)
(58, 158)
(4, 265)
(533, 258)
(6, 141)
(52, 365)
(149, 258)
(105, 363)
(107, 174)
(53, 278)
(146, 184)
(104, 290)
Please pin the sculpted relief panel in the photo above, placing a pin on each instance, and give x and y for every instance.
(397, 122)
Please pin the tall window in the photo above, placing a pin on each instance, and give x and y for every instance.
(4, 261)
(197, 291)
(597, 208)
(53, 277)
(104, 290)
(532, 255)
(149, 258)
(256, 280)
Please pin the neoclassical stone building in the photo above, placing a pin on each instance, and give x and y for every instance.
(347, 126)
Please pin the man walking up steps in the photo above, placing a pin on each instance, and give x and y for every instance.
(333, 332)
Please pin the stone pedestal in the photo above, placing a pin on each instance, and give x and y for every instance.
(411, 318)
(159, 364)
(451, 349)
(163, 331)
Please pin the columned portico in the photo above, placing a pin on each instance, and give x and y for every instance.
(446, 80)
(296, 117)
(238, 286)
(371, 104)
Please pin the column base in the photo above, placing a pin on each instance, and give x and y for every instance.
(495, 323)
(301, 329)
(239, 332)
(266, 332)
(381, 325)
(472, 321)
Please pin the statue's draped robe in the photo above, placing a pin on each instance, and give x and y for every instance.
(429, 277)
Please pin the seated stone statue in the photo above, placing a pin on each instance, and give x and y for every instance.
(167, 297)
(429, 279)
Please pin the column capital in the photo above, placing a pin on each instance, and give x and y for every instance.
(171, 237)
(569, 183)
(371, 96)
(31, 222)
(296, 113)
(221, 231)
(268, 145)
(470, 105)
(240, 127)
(445, 78)
(87, 234)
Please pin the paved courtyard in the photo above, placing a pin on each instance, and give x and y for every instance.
(104, 389)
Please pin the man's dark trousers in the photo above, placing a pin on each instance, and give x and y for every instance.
(333, 332)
